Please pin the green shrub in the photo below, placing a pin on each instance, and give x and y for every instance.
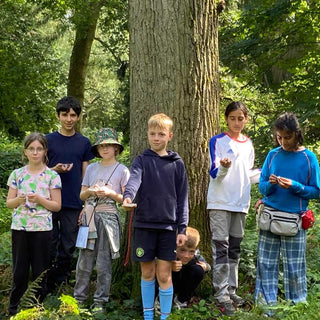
(5, 248)
(10, 158)
(5, 213)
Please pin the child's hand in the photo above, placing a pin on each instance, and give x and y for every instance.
(62, 167)
(94, 187)
(257, 204)
(80, 217)
(128, 205)
(273, 179)
(202, 265)
(93, 190)
(104, 191)
(176, 265)
(34, 198)
(181, 240)
(225, 162)
(284, 182)
(21, 199)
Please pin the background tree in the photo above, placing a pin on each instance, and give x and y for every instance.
(107, 83)
(31, 72)
(174, 69)
(37, 39)
(85, 19)
(270, 56)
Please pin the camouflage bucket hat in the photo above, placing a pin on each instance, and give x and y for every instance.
(105, 135)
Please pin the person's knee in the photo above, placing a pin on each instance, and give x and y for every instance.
(198, 272)
(221, 251)
(234, 247)
(195, 272)
(148, 271)
(104, 267)
(163, 277)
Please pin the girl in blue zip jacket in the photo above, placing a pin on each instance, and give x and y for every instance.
(289, 179)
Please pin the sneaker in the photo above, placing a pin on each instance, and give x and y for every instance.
(157, 307)
(237, 300)
(226, 308)
(97, 307)
(179, 305)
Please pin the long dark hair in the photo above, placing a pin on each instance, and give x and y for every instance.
(236, 105)
(289, 122)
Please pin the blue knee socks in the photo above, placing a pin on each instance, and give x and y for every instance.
(148, 292)
(165, 297)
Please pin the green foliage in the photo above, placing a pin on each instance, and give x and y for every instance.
(130, 309)
(29, 298)
(313, 250)
(203, 310)
(36, 44)
(5, 248)
(29, 314)
(107, 92)
(122, 288)
(302, 92)
(30, 73)
(269, 50)
(269, 59)
(67, 309)
(68, 305)
(5, 213)
(262, 107)
(247, 267)
(10, 158)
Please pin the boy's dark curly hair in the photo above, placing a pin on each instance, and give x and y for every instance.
(67, 103)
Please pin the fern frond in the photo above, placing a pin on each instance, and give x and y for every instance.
(30, 297)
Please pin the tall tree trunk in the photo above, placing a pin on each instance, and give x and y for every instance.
(86, 19)
(174, 69)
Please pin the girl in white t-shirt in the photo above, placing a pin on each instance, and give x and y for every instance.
(228, 199)
(34, 191)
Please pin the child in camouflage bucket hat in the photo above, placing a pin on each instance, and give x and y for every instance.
(106, 136)
(102, 187)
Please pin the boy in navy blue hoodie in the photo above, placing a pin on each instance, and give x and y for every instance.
(158, 183)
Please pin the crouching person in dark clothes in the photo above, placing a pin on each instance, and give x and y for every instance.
(188, 269)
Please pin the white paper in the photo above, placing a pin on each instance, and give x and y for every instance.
(82, 237)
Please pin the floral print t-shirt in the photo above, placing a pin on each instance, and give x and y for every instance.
(33, 216)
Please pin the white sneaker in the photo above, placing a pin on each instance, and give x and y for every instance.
(97, 307)
(179, 305)
(157, 306)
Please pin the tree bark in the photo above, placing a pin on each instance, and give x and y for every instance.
(174, 69)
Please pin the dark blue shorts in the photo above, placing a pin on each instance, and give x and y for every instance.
(149, 244)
